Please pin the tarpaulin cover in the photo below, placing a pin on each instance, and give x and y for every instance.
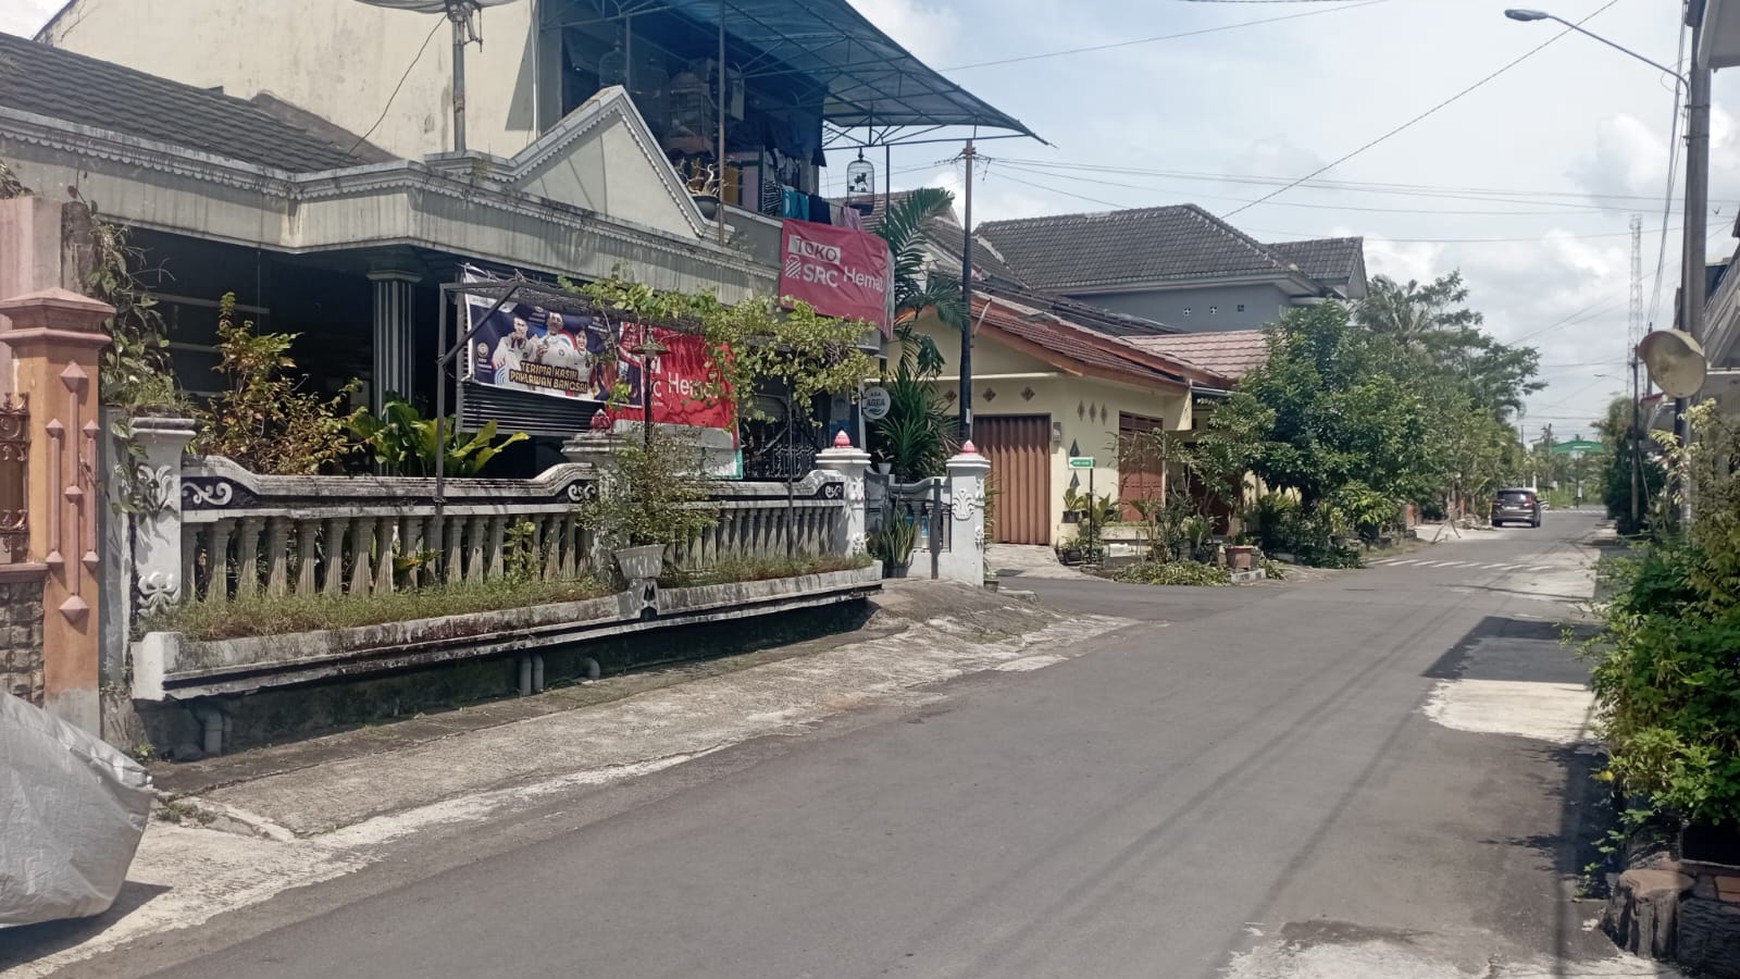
(72, 810)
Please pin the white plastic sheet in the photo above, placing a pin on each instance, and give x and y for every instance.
(72, 810)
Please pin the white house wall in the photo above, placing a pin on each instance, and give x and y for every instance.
(149, 186)
(340, 59)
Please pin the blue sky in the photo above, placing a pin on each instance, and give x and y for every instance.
(1576, 136)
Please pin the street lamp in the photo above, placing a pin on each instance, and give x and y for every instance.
(1532, 15)
(1675, 349)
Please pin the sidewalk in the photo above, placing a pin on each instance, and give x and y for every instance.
(303, 813)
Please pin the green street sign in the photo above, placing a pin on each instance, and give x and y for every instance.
(1575, 446)
(1081, 462)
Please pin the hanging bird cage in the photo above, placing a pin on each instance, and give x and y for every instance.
(860, 176)
(613, 68)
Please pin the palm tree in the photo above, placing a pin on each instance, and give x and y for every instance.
(918, 434)
(915, 288)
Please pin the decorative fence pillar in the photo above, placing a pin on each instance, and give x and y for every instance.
(157, 540)
(965, 559)
(394, 309)
(849, 464)
(56, 338)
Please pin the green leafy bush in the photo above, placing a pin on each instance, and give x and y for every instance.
(1666, 665)
(1274, 569)
(266, 420)
(402, 441)
(1174, 573)
(653, 493)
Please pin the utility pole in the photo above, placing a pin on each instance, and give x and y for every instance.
(1636, 335)
(966, 409)
(1697, 198)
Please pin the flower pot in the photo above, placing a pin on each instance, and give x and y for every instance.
(707, 204)
(990, 584)
(1241, 558)
(892, 569)
(641, 562)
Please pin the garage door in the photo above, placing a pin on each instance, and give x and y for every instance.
(1019, 447)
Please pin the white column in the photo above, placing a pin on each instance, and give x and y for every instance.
(394, 293)
(157, 564)
(847, 534)
(964, 561)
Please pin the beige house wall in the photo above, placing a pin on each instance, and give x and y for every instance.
(340, 59)
(1083, 410)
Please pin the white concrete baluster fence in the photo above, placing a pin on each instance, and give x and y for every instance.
(243, 534)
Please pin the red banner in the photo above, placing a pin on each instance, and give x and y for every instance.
(680, 382)
(839, 271)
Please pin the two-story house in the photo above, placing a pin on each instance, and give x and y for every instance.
(307, 158)
(1178, 265)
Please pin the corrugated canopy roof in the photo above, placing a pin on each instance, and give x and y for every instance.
(864, 78)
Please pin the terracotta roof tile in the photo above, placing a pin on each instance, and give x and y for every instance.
(1232, 353)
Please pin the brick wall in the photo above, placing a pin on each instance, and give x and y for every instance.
(21, 636)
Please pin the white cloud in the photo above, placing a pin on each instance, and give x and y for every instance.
(926, 28)
(25, 17)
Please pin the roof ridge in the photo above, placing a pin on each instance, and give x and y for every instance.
(1224, 227)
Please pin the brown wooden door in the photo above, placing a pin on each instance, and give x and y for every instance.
(1019, 447)
(1141, 471)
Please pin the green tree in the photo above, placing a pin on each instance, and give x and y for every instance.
(1325, 416)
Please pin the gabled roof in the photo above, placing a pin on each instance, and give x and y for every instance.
(1079, 350)
(1231, 353)
(1330, 260)
(1175, 243)
(52, 82)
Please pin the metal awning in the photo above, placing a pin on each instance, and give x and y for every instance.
(820, 52)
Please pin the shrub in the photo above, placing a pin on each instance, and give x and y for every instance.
(1174, 573)
(1274, 569)
(654, 494)
(266, 421)
(1666, 669)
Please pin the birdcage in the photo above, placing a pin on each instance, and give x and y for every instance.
(860, 176)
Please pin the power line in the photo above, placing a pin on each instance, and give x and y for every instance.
(1566, 209)
(1411, 122)
(388, 107)
(1448, 192)
(1166, 37)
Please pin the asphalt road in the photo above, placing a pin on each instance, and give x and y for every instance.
(1250, 783)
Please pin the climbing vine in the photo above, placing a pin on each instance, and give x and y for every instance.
(755, 344)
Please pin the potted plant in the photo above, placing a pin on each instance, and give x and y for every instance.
(652, 496)
(893, 545)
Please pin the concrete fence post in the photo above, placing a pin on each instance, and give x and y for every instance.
(849, 464)
(157, 553)
(56, 338)
(964, 561)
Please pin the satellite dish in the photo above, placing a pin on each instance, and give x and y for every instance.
(1676, 362)
(466, 28)
(435, 6)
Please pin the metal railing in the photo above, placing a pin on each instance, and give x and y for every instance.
(14, 478)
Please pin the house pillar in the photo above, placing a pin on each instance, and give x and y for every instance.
(56, 338)
(964, 561)
(850, 465)
(393, 337)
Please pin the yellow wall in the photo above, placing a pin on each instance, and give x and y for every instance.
(1076, 402)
